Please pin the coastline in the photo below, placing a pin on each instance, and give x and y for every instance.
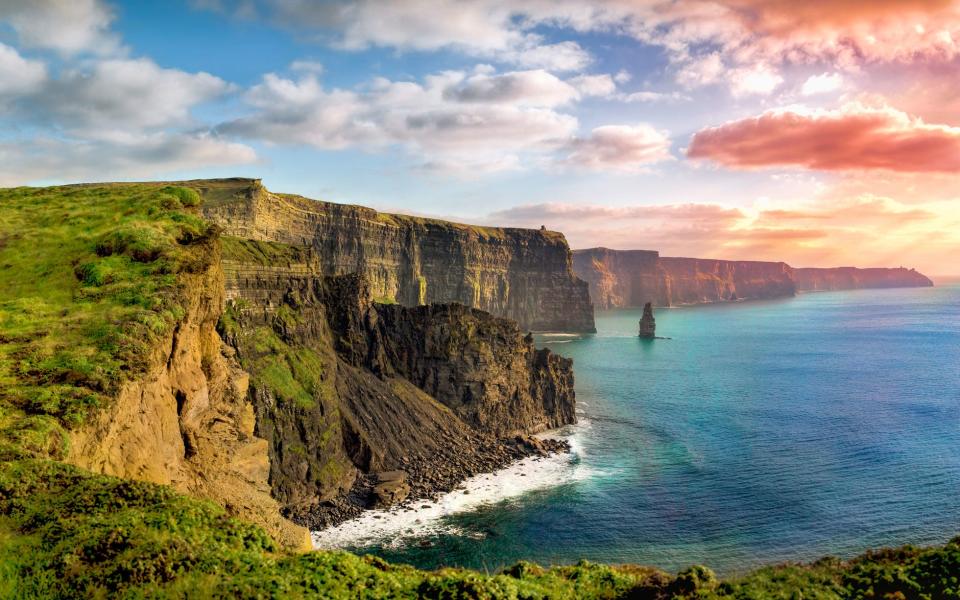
(416, 518)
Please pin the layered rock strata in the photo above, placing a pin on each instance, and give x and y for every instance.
(188, 421)
(852, 278)
(634, 277)
(347, 389)
(620, 278)
(521, 274)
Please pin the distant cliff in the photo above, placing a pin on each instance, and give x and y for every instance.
(852, 278)
(633, 277)
(521, 274)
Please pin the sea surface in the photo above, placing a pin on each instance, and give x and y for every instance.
(760, 432)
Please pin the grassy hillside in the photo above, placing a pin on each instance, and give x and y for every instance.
(90, 277)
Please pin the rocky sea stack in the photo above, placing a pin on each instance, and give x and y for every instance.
(648, 325)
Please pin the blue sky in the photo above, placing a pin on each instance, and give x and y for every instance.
(710, 127)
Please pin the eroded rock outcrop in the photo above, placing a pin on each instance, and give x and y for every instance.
(188, 422)
(648, 325)
(521, 274)
(852, 278)
(346, 388)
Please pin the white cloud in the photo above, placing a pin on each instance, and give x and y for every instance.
(757, 80)
(119, 96)
(704, 70)
(449, 119)
(822, 84)
(65, 26)
(594, 85)
(307, 66)
(41, 159)
(562, 56)
(647, 96)
(519, 88)
(620, 148)
(19, 76)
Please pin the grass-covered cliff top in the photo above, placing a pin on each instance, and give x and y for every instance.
(91, 278)
(88, 282)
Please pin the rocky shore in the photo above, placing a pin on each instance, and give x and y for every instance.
(424, 477)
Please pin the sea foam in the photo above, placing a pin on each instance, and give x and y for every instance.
(397, 526)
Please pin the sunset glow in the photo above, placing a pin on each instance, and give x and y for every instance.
(819, 133)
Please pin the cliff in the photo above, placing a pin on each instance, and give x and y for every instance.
(521, 274)
(852, 278)
(347, 388)
(117, 304)
(140, 343)
(619, 278)
(634, 277)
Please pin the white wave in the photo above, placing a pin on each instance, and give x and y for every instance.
(396, 526)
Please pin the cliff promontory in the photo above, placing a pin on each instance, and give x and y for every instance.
(521, 274)
(852, 278)
(621, 278)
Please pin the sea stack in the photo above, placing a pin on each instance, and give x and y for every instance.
(648, 325)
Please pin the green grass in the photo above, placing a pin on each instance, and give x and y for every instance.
(88, 283)
(91, 278)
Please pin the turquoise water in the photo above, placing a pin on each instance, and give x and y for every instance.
(761, 432)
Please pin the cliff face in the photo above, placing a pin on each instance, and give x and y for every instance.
(346, 388)
(634, 277)
(851, 278)
(188, 422)
(698, 280)
(521, 274)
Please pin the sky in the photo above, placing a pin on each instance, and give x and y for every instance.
(820, 133)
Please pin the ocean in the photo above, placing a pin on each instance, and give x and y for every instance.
(760, 432)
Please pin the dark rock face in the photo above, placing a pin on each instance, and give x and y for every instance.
(345, 388)
(648, 325)
(634, 277)
(521, 274)
(851, 278)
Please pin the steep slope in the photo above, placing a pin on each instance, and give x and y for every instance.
(346, 387)
(521, 274)
(852, 278)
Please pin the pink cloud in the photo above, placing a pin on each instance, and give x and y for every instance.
(855, 137)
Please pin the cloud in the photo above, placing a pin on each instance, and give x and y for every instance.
(454, 121)
(647, 96)
(758, 79)
(701, 38)
(519, 88)
(19, 76)
(817, 233)
(594, 85)
(620, 148)
(822, 84)
(532, 213)
(855, 137)
(65, 26)
(45, 159)
(116, 96)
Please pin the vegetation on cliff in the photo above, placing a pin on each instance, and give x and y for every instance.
(88, 281)
(90, 278)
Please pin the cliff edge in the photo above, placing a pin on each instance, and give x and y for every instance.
(630, 278)
(521, 274)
